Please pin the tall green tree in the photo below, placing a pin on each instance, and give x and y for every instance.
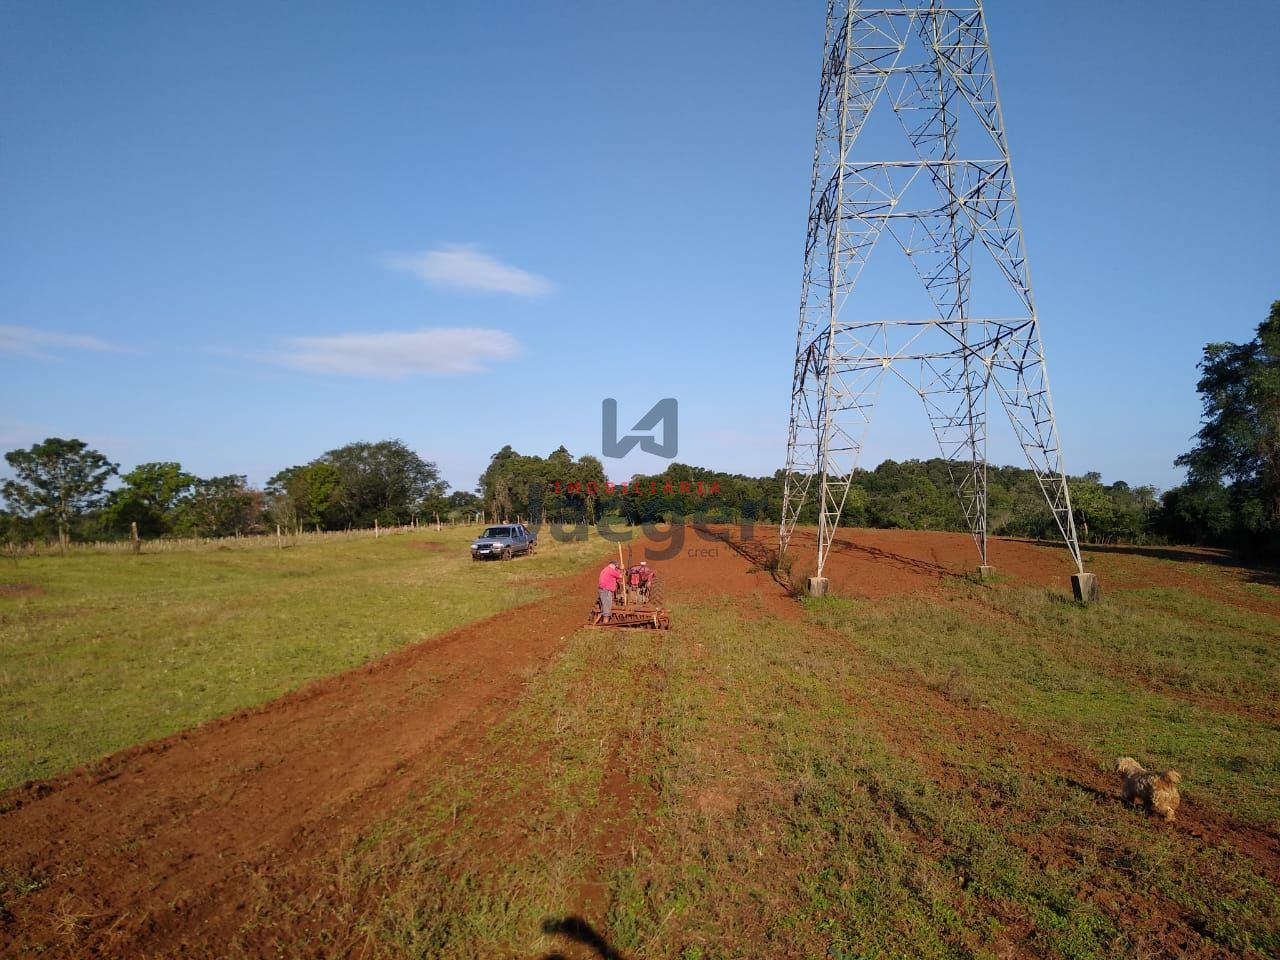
(149, 498)
(462, 505)
(306, 496)
(57, 481)
(499, 484)
(1091, 505)
(221, 507)
(1238, 444)
(1196, 513)
(281, 502)
(516, 485)
(385, 481)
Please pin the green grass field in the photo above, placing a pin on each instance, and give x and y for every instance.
(843, 787)
(907, 777)
(102, 651)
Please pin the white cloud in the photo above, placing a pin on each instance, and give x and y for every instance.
(43, 344)
(464, 266)
(443, 351)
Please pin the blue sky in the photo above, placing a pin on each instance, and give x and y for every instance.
(237, 235)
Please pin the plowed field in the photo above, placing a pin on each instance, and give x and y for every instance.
(245, 835)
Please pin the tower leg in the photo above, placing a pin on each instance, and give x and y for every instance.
(1084, 586)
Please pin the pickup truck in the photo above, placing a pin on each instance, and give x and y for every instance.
(503, 542)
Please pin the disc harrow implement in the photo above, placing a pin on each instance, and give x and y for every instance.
(644, 617)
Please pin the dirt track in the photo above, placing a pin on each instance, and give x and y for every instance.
(149, 851)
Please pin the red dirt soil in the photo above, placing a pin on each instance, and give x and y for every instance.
(147, 852)
(150, 846)
(20, 590)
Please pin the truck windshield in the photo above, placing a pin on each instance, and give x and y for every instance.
(496, 532)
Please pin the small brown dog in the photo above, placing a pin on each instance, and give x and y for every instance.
(1155, 790)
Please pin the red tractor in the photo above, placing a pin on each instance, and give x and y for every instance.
(637, 602)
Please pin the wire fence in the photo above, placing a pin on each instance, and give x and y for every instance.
(261, 541)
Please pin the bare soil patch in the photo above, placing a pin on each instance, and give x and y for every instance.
(20, 590)
(150, 849)
(881, 563)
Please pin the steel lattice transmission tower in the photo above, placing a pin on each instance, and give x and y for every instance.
(946, 200)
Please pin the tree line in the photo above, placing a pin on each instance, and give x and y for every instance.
(1232, 493)
(60, 491)
(913, 494)
(1231, 497)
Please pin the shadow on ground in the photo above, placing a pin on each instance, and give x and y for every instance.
(765, 557)
(578, 931)
(1255, 572)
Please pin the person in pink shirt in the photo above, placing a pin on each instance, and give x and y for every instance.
(638, 579)
(647, 577)
(610, 577)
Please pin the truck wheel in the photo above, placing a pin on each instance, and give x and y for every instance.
(506, 553)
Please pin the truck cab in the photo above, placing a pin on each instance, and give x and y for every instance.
(502, 542)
